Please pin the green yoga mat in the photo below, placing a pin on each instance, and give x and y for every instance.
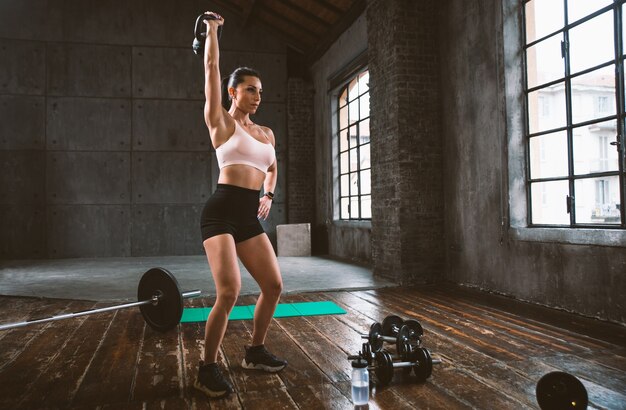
(282, 310)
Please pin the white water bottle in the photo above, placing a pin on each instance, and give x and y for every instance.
(360, 382)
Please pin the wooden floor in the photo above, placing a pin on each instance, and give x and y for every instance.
(493, 350)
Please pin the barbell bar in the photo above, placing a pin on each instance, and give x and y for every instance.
(160, 302)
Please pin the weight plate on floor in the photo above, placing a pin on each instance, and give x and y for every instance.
(375, 342)
(384, 368)
(166, 314)
(401, 339)
(391, 322)
(424, 366)
(416, 328)
(560, 390)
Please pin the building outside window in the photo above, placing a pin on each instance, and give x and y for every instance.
(353, 135)
(575, 111)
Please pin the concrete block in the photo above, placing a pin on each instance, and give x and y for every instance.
(88, 231)
(294, 239)
(22, 231)
(23, 67)
(22, 122)
(167, 73)
(31, 20)
(166, 230)
(88, 177)
(171, 178)
(271, 67)
(22, 177)
(89, 70)
(170, 125)
(88, 124)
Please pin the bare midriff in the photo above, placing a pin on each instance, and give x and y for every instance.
(243, 176)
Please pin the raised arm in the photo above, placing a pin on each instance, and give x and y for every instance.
(214, 114)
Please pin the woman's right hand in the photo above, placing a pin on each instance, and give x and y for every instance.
(216, 22)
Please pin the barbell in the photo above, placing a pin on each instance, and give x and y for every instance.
(159, 299)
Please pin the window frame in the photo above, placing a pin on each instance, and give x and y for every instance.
(617, 8)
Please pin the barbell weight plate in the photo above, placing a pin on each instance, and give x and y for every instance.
(424, 366)
(166, 314)
(560, 390)
(406, 357)
(375, 342)
(401, 339)
(384, 368)
(416, 328)
(391, 322)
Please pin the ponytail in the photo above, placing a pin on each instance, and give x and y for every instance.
(226, 100)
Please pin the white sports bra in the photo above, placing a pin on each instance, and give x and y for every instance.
(242, 148)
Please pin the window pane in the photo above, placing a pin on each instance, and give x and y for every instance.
(577, 9)
(364, 80)
(354, 183)
(343, 97)
(548, 155)
(364, 131)
(345, 185)
(364, 101)
(343, 117)
(345, 202)
(343, 140)
(354, 160)
(366, 207)
(593, 151)
(597, 200)
(365, 156)
(353, 136)
(591, 43)
(353, 89)
(343, 167)
(549, 203)
(542, 18)
(551, 114)
(544, 61)
(354, 111)
(366, 185)
(354, 208)
(593, 95)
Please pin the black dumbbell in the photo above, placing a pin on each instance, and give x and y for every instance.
(392, 324)
(200, 33)
(420, 361)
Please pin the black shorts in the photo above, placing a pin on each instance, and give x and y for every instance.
(233, 210)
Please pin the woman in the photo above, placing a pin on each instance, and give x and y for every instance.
(230, 219)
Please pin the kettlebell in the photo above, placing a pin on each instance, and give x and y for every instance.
(200, 33)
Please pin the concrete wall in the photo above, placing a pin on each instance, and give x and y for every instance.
(103, 147)
(487, 244)
(349, 240)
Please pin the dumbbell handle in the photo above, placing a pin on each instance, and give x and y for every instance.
(407, 364)
(383, 338)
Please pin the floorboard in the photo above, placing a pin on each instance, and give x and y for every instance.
(493, 352)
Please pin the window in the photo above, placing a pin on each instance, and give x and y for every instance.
(353, 141)
(574, 60)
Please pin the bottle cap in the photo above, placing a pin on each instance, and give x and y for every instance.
(359, 363)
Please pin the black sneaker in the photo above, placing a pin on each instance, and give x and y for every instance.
(211, 382)
(257, 357)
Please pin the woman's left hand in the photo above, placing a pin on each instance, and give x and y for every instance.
(264, 207)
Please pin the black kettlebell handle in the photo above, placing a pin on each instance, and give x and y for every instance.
(200, 30)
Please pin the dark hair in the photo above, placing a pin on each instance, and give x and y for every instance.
(233, 80)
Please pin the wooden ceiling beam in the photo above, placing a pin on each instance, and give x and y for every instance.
(330, 6)
(299, 9)
(248, 11)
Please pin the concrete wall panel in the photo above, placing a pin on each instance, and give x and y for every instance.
(88, 177)
(89, 70)
(171, 178)
(165, 23)
(104, 21)
(166, 230)
(22, 177)
(167, 73)
(22, 122)
(88, 231)
(88, 124)
(167, 125)
(22, 231)
(31, 20)
(23, 68)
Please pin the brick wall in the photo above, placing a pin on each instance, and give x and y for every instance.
(300, 151)
(407, 163)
